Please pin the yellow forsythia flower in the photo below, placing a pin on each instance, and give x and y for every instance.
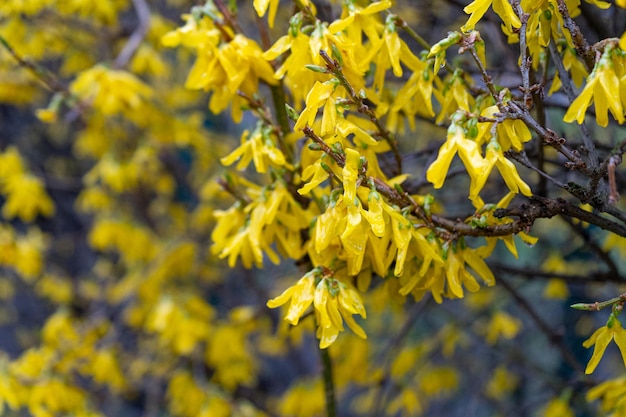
(261, 6)
(303, 399)
(111, 91)
(468, 151)
(613, 395)
(556, 289)
(300, 296)
(332, 300)
(495, 157)
(26, 198)
(478, 8)
(501, 383)
(603, 89)
(258, 148)
(601, 338)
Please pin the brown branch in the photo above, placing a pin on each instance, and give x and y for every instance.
(229, 19)
(592, 246)
(545, 208)
(534, 274)
(555, 338)
(614, 161)
(580, 43)
(239, 196)
(339, 158)
(469, 46)
(539, 207)
(335, 69)
(525, 60)
(550, 137)
(568, 87)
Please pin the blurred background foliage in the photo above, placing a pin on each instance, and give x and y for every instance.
(113, 303)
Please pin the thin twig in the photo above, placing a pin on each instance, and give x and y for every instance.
(335, 69)
(529, 273)
(136, 38)
(49, 81)
(483, 71)
(567, 84)
(550, 137)
(229, 19)
(555, 339)
(524, 58)
(597, 306)
(590, 244)
(580, 43)
(522, 158)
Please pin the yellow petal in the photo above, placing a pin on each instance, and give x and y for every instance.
(477, 8)
(392, 40)
(620, 339)
(438, 170)
(601, 338)
(282, 298)
(504, 9)
(578, 108)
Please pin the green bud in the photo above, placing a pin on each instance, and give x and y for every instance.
(292, 114)
(295, 23)
(336, 54)
(316, 68)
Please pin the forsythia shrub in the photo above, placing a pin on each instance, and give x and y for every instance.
(385, 149)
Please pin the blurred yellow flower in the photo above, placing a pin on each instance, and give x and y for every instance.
(112, 91)
(558, 407)
(502, 325)
(26, 198)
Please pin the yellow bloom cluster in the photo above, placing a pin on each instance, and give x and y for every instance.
(558, 407)
(510, 134)
(612, 394)
(258, 147)
(112, 91)
(248, 232)
(187, 398)
(606, 88)
(25, 194)
(23, 252)
(225, 63)
(37, 379)
(333, 299)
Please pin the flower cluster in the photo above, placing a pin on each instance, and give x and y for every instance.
(225, 63)
(606, 88)
(333, 300)
(510, 134)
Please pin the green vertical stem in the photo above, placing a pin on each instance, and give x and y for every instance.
(278, 98)
(329, 386)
